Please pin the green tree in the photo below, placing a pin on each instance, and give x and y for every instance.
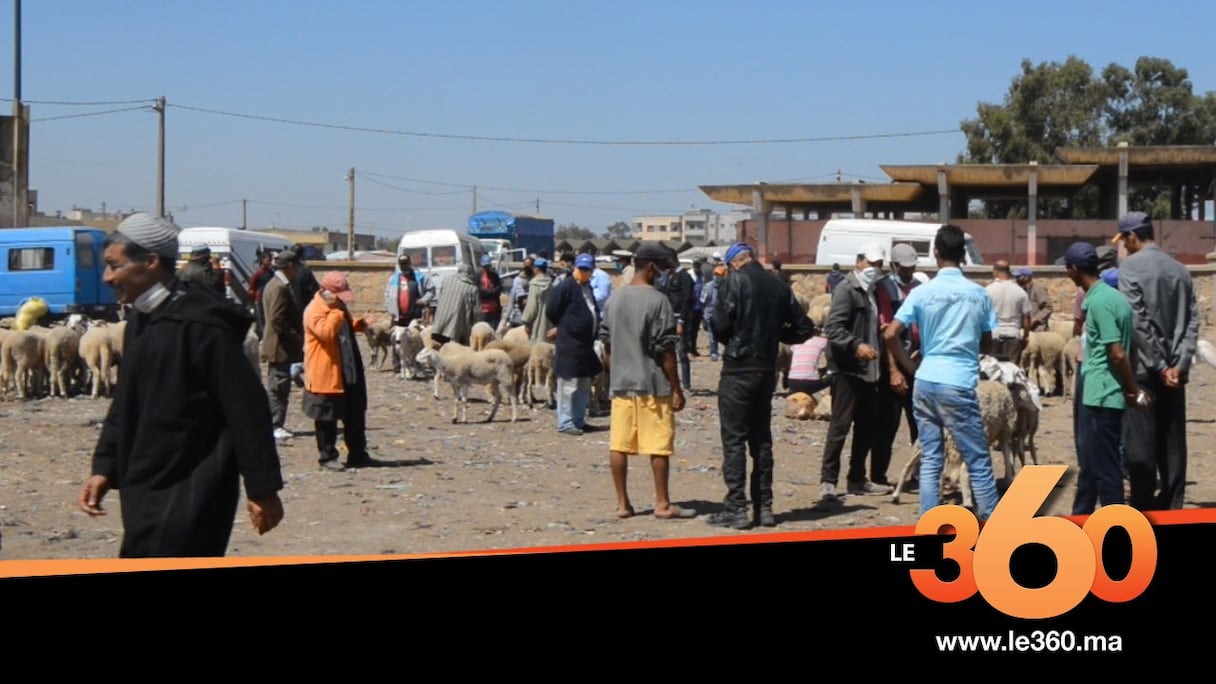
(617, 231)
(573, 231)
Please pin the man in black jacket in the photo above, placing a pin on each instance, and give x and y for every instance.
(755, 312)
(677, 283)
(190, 419)
(856, 352)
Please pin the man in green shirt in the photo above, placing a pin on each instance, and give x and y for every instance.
(1109, 384)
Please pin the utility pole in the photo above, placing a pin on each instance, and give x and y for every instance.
(18, 110)
(159, 107)
(538, 206)
(243, 213)
(474, 199)
(350, 221)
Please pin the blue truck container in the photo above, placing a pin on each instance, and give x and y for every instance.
(534, 234)
(63, 265)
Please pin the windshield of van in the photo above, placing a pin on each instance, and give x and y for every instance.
(444, 255)
(974, 254)
(417, 256)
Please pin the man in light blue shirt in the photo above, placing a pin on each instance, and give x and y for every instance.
(956, 320)
(601, 288)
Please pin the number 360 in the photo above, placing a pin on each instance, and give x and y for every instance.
(984, 560)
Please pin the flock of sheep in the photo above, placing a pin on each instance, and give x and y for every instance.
(510, 362)
(72, 357)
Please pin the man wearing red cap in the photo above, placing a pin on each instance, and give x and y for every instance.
(334, 384)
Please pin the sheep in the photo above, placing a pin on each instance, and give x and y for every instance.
(481, 334)
(1072, 349)
(519, 353)
(251, 347)
(1043, 359)
(60, 355)
(1027, 424)
(540, 372)
(1000, 414)
(407, 340)
(800, 406)
(379, 340)
(518, 334)
(1205, 352)
(785, 357)
(95, 349)
(462, 367)
(22, 362)
(601, 391)
(1062, 327)
(818, 311)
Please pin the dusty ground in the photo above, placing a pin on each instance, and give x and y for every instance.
(451, 488)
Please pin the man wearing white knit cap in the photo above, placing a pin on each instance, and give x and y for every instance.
(189, 419)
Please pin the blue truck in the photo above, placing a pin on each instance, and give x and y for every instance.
(532, 234)
(61, 264)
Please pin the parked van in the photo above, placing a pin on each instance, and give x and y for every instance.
(842, 240)
(238, 252)
(438, 253)
(62, 265)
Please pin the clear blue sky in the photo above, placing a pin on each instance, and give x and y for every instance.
(673, 71)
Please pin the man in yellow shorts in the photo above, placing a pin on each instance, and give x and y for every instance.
(639, 333)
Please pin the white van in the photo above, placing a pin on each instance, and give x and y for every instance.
(842, 240)
(438, 253)
(237, 250)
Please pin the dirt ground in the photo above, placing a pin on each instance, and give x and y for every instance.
(449, 488)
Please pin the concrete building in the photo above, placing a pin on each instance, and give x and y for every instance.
(669, 227)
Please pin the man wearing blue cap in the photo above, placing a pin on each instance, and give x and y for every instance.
(575, 319)
(1040, 301)
(754, 313)
(1166, 334)
(489, 291)
(1108, 383)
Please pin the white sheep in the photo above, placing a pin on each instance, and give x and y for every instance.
(95, 349)
(251, 347)
(482, 334)
(22, 362)
(463, 367)
(1025, 398)
(518, 334)
(785, 357)
(60, 355)
(818, 310)
(1043, 360)
(407, 340)
(1072, 348)
(1205, 352)
(954, 471)
(519, 352)
(601, 391)
(540, 373)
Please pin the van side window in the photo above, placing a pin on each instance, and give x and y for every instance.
(922, 247)
(84, 251)
(444, 255)
(31, 259)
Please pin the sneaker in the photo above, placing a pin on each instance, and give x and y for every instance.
(728, 518)
(571, 431)
(869, 489)
(713, 357)
(280, 433)
(333, 464)
(764, 518)
(827, 493)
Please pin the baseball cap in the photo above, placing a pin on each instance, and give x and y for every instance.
(903, 254)
(874, 252)
(1024, 272)
(285, 257)
(336, 283)
(1081, 255)
(737, 249)
(540, 262)
(718, 255)
(622, 253)
(486, 260)
(1133, 221)
(1107, 257)
(584, 261)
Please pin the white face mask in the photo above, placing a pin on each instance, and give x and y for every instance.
(151, 298)
(867, 276)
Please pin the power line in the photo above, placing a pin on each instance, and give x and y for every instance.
(559, 141)
(530, 191)
(415, 192)
(148, 101)
(77, 116)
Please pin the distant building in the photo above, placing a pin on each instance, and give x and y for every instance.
(695, 226)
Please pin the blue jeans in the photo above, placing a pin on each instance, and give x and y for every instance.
(573, 397)
(1099, 458)
(713, 341)
(940, 407)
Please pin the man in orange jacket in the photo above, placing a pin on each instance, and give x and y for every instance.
(334, 384)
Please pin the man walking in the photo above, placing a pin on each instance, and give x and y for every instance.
(1166, 334)
(855, 359)
(1109, 385)
(406, 296)
(572, 312)
(639, 334)
(283, 338)
(489, 288)
(895, 388)
(755, 312)
(1013, 314)
(538, 296)
(458, 309)
(189, 419)
(956, 320)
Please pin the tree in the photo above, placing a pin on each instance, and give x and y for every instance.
(1055, 105)
(386, 244)
(573, 232)
(617, 231)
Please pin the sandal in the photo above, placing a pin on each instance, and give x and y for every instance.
(676, 513)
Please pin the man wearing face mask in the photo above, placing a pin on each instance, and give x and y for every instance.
(894, 387)
(855, 360)
(677, 284)
(189, 419)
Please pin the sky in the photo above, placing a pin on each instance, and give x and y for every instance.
(593, 112)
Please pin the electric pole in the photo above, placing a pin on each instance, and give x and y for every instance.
(244, 214)
(474, 199)
(350, 221)
(18, 110)
(538, 206)
(159, 107)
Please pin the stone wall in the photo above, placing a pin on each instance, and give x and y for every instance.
(368, 280)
